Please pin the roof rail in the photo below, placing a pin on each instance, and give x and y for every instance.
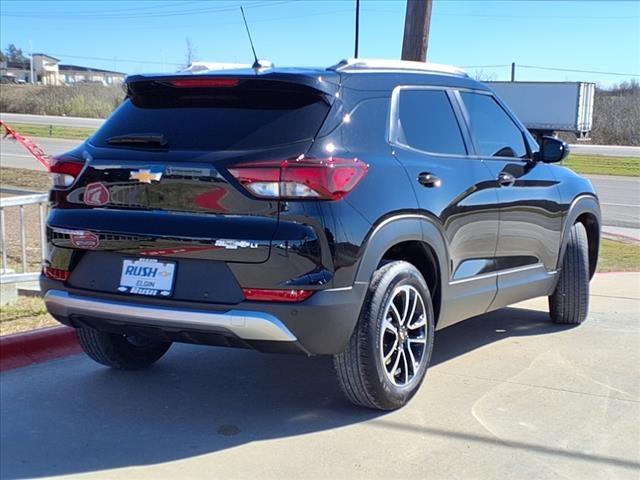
(382, 64)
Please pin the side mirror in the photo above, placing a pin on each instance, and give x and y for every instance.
(552, 150)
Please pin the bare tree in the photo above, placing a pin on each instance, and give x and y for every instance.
(484, 76)
(192, 52)
(616, 114)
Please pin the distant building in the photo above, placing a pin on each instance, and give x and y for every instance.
(48, 70)
(14, 72)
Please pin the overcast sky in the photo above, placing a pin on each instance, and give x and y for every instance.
(145, 36)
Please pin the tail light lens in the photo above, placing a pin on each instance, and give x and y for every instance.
(303, 178)
(56, 273)
(64, 171)
(264, 295)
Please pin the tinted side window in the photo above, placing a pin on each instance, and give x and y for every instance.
(367, 127)
(495, 132)
(426, 122)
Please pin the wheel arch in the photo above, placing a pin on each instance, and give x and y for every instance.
(414, 238)
(584, 209)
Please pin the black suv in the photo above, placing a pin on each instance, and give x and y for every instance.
(347, 211)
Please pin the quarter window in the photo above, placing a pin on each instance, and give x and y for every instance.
(426, 122)
(495, 133)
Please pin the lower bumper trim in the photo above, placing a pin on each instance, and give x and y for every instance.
(247, 325)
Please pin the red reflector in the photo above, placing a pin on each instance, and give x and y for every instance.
(264, 295)
(304, 178)
(56, 273)
(205, 82)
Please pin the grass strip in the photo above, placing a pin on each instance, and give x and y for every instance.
(603, 165)
(619, 256)
(52, 131)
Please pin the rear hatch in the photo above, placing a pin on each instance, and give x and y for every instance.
(156, 179)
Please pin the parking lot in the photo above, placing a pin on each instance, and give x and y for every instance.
(509, 395)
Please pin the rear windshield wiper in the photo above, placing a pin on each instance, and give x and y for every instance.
(142, 140)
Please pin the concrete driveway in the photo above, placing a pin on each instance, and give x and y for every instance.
(509, 395)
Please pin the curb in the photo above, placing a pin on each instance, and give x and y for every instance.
(22, 349)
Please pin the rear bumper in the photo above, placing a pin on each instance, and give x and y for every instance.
(243, 324)
(320, 325)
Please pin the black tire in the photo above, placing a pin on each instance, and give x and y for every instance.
(361, 369)
(569, 303)
(118, 351)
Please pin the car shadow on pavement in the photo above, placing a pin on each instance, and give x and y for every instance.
(486, 329)
(73, 416)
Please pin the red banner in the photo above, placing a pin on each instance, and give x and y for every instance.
(33, 149)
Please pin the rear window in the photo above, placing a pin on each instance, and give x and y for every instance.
(239, 118)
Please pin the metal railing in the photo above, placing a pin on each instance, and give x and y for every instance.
(20, 202)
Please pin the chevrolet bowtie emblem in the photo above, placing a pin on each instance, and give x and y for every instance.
(145, 176)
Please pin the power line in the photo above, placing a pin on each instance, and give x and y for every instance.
(579, 71)
(570, 17)
(490, 15)
(155, 6)
(116, 14)
(556, 69)
(79, 57)
(484, 66)
(237, 21)
(174, 13)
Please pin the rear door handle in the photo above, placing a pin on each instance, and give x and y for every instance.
(429, 180)
(506, 179)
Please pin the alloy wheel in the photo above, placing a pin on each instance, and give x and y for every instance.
(403, 335)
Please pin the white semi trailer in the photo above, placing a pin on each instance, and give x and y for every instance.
(548, 107)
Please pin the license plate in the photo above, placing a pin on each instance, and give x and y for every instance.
(147, 276)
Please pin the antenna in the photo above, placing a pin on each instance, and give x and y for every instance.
(357, 27)
(256, 63)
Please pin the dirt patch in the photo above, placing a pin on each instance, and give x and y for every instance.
(34, 180)
(27, 314)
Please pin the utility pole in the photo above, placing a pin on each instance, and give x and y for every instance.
(355, 55)
(31, 62)
(513, 71)
(416, 30)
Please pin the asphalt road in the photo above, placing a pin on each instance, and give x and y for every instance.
(612, 150)
(51, 120)
(12, 154)
(509, 395)
(619, 199)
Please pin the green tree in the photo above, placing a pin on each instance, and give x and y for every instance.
(14, 54)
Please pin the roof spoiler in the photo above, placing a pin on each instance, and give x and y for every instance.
(323, 84)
